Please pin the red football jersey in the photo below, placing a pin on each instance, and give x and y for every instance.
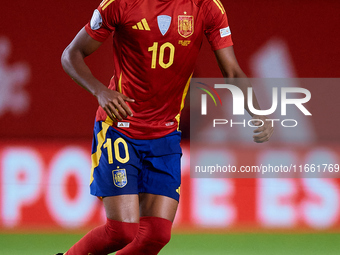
(156, 43)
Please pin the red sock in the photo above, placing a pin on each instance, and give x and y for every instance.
(153, 234)
(112, 236)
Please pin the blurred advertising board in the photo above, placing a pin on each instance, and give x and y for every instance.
(43, 185)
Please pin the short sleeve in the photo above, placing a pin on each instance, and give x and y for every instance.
(104, 20)
(216, 29)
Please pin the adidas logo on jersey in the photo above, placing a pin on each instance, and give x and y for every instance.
(123, 124)
(142, 25)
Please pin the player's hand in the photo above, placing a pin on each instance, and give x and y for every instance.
(114, 104)
(263, 133)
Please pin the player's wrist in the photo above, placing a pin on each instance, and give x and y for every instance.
(99, 90)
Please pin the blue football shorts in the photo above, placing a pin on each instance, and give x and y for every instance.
(122, 165)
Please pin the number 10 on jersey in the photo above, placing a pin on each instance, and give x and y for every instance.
(160, 55)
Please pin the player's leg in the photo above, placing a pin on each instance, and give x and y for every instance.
(121, 227)
(115, 178)
(159, 196)
(157, 206)
(157, 214)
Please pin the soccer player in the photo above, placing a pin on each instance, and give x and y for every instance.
(136, 144)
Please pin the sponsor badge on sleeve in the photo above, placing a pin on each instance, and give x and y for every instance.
(96, 20)
(225, 31)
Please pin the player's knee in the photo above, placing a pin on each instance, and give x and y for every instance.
(161, 239)
(157, 231)
(124, 233)
(127, 234)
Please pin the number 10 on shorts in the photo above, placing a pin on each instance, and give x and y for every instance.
(108, 146)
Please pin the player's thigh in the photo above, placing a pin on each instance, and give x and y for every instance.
(114, 176)
(124, 208)
(157, 206)
(159, 186)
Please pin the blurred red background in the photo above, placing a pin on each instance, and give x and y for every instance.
(42, 111)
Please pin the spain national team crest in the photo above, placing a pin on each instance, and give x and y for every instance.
(119, 178)
(185, 25)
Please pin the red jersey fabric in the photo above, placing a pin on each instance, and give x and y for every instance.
(156, 43)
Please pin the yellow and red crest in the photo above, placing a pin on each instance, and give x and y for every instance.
(185, 25)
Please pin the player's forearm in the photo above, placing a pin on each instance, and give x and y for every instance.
(74, 65)
(238, 78)
(243, 83)
(231, 70)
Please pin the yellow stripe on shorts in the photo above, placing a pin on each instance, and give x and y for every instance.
(95, 157)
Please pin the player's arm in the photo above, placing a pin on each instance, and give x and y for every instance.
(74, 65)
(230, 69)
